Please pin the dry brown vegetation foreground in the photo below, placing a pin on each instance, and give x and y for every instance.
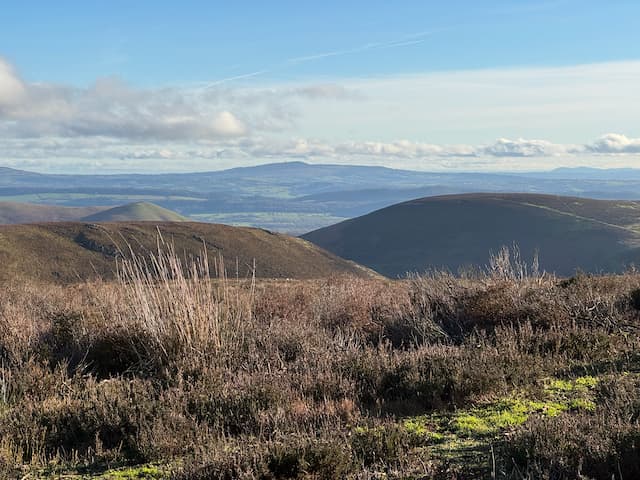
(498, 376)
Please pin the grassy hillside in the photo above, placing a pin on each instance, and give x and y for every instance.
(15, 212)
(136, 212)
(66, 252)
(455, 231)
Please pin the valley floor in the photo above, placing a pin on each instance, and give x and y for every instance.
(434, 377)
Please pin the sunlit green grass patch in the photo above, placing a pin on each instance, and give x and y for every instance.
(139, 472)
(507, 413)
(579, 385)
(490, 419)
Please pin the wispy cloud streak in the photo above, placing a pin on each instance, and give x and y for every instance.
(404, 41)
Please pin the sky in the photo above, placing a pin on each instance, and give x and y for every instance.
(159, 86)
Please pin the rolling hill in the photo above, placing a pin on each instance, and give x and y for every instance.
(68, 252)
(456, 231)
(136, 212)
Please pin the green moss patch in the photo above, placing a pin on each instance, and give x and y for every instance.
(557, 386)
(508, 413)
(143, 471)
(465, 437)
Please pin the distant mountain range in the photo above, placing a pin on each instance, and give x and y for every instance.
(457, 231)
(68, 252)
(298, 197)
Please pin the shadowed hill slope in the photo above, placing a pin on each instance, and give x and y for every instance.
(136, 212)
(68, 252)
(456, 231)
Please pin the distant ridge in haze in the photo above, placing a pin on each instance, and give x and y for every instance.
(455, 231)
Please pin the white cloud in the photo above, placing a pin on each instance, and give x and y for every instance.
(112, 108)
(109, 108)
(227, 124)
(112, 154)
(614, 143)
(503, 147)
(12, 89)
(270, 147)
(405, 149)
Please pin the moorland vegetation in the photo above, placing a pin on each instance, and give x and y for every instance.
(168, 373)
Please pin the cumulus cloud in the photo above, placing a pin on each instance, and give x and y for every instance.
(226, 123)
(503, 147)
(109, 108)
(12, 88)
(112, 108)
(614, 143)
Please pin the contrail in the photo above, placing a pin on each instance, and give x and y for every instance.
(236, 77)
(404, 41)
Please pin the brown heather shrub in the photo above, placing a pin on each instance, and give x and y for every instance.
(224, 378)
(358, 305)
(285, 458)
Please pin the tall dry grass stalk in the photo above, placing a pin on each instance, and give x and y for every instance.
(508, 264)
(177, 307)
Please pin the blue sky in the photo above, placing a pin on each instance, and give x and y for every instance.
(124, 85)
(151, 43)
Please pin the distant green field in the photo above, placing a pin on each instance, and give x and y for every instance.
(291, 222)
(53, 198)
(268, 190)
